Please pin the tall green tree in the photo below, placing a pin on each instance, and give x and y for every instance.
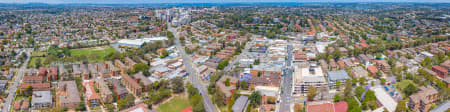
(178, 85)
(312, 92)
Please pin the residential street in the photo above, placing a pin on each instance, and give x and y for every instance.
(187, 61)
(13, 87)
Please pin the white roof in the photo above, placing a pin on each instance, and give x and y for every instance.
(134, 42)
(383, 97)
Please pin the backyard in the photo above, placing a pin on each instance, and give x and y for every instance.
(176, 104)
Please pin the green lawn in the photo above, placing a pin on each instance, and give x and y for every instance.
(101, 52)
(402, 84)
(38, 53)
(33, 61)
(176, 104)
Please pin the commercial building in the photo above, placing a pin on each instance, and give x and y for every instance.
(305, 77)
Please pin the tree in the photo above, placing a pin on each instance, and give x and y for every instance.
(227, 82)
(256, 62)
(28, 91)
(126, 102)
(222, 64)
(337, 53)
(353, 105)
(37, 63)
(312, 92)
(401, 106)
(359, 91)
(164, 53)
(298, 108)
(197, 102)
(383, 81)
(410, 89)
(243, 85)
(81, 107)
(177, 85)
(336, 98)
(111, 107)
(348, 88)
(255, 98)
(362, 81)
(338, 84)
(140, 67)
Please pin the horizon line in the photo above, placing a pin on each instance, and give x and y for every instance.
(232, 2)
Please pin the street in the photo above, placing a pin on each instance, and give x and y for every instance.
(13, 87)
(286, 86)
(209, 106)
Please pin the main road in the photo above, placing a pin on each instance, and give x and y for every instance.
(13, 87)
(187, 61)
(286, 94)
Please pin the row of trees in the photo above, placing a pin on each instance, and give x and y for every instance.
(195, 99)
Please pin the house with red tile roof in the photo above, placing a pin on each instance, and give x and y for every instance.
(364, 45)
(36, 87)
(327, 106)
(53, 74)
(341, 106)
(372, 69)
(32, 79)
(440, 71)
(93, 99)
(187, 109)
(42, 71)
(320, 107)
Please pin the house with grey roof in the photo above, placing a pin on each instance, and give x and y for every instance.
(240, 104)
(334, 76)
(41, 99)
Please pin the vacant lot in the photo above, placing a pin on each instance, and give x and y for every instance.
(175, 104)
(99, 52)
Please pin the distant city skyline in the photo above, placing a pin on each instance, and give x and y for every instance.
(205, 1)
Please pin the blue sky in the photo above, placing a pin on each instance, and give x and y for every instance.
(204, 1)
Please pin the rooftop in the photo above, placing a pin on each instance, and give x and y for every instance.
(240, 104)
(68, 92)
(41, 97)
(338, 75)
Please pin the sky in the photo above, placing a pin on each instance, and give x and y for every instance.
(203, 1)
